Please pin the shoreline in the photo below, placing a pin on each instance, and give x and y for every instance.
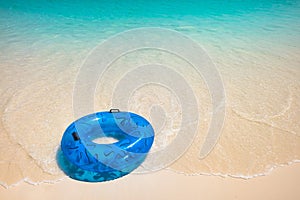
(160, 185)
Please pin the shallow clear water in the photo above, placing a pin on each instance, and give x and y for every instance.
(255, 45)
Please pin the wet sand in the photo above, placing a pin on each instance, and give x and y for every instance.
(261, 128)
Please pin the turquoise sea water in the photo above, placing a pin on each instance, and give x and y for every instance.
(37, 27)
(273, 20)
(49, 29)
(267, 25)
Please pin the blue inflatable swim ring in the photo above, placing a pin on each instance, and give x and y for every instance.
(95, 162)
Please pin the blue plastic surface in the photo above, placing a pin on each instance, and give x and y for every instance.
(94, 162)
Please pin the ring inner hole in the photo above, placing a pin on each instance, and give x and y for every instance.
(110, 136)
(105, 140)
